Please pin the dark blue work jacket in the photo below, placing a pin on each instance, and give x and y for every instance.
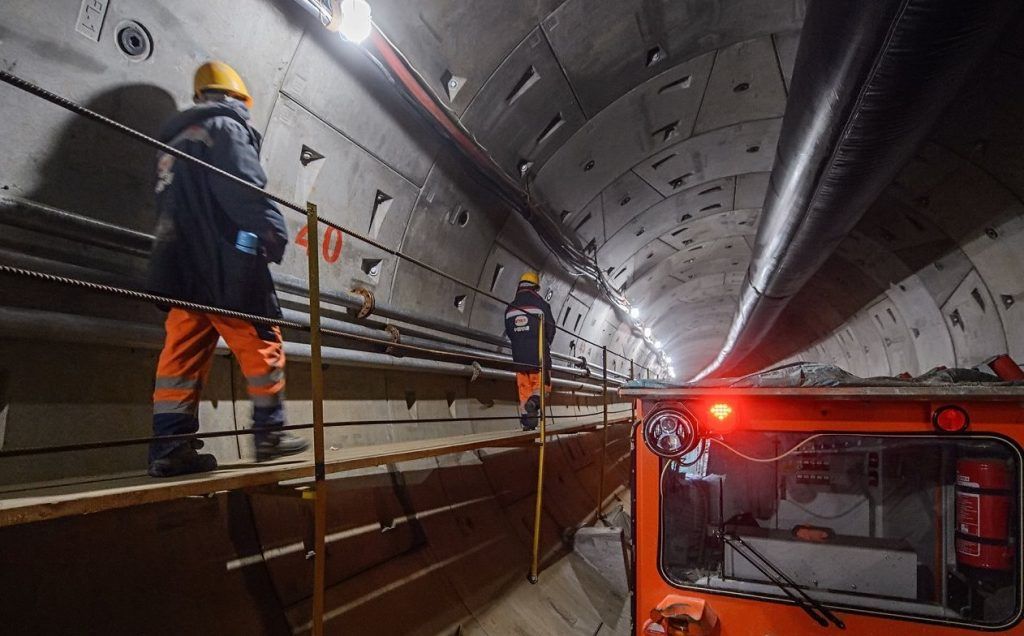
(199, 214)
(522, 322)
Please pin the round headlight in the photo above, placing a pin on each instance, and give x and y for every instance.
(671, 431)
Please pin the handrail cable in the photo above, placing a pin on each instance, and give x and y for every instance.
(198, 307)
(82, 111)
(138, 441)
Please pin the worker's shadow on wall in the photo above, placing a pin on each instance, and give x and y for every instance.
(97, 171)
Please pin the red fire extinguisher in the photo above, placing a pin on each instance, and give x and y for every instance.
(983, 507)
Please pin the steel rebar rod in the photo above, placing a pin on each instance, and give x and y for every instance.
(78, 109)
(81, 228)
(60, 327)
(140, 441)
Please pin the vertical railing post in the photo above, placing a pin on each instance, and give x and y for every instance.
(317, 397)
(632, 403)
(535, 561)
(604, 433)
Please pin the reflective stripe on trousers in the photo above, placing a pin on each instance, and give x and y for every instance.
(185, 363)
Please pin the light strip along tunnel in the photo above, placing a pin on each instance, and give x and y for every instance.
(624, 149)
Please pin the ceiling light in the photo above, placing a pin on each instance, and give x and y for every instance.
(657, 344)
(647, 332)
(356, 22)
(634, 312)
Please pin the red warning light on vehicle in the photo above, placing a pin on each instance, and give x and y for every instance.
(721, 411)
(950, 419)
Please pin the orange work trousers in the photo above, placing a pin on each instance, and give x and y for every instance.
(528, 384)
(185, 363)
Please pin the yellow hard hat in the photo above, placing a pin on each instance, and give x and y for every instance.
(219, 76)
(530, 277)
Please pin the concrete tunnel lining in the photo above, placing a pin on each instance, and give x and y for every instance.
(645, 92)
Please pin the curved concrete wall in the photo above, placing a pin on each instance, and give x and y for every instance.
(646, 127)
(383, 172)
(934, 274)
(420, 547)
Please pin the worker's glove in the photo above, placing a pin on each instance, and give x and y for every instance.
(273, 248)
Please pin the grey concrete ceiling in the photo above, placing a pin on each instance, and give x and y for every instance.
(648, 127)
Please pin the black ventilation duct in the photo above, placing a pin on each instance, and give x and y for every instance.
(870, 81)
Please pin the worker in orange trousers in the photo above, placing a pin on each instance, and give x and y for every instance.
(214, 241)
(522, 326)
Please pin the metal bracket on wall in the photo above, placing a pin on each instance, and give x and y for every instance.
(368, 302)
(396, 337)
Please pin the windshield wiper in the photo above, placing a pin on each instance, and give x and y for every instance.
(821, 614)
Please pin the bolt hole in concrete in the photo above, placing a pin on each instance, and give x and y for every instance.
(371, 267)
(460, 302)
(588, 166)
(739, 88)
(753, 149)
(655, 55)
(459, 216)
(134, 41)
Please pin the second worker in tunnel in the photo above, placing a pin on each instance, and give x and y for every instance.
(214, 240)
(522, 326)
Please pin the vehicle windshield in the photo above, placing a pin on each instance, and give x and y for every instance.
(922, 526)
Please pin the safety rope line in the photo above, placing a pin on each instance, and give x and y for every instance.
(145, 296)
(82, 111)
(438, 352)
(192, 306)
(197, 307)
(139, 441)
(20, 202)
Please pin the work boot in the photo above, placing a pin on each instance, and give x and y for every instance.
(529, 422)
(532, 406)
(183, 460)
(279, 444)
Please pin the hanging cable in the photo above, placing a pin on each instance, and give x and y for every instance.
(768, 460)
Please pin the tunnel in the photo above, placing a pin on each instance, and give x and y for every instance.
(706, 188)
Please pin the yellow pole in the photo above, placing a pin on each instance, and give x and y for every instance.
(604, 433)
(317, 397)
(534, 564)
(632, 405)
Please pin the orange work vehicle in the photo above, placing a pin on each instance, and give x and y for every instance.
(876, 508)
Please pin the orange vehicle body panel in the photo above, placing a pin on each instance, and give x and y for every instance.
(752, 617)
